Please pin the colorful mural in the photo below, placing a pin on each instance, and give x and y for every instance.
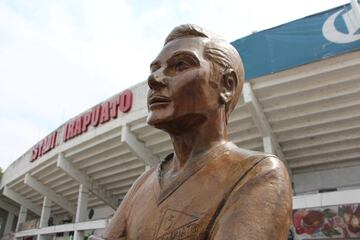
(335, 222)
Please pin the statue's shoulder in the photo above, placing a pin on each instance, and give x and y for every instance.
(146, 175)
(143, 178)
(242, 155)
(254, 161)
(259, 191)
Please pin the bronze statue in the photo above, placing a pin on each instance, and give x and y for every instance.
(208, 188)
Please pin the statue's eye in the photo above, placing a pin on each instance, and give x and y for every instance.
(182, 61)
(180, 65)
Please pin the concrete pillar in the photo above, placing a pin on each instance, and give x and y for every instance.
(45, 214)
(268, 145)
(9, 222)
(81, 210)
(22, 217)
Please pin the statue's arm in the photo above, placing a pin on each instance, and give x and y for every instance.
(259, 207)
(116, 229)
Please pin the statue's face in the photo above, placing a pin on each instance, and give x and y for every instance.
(181, 95)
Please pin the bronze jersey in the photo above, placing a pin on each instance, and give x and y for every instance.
(224, 195)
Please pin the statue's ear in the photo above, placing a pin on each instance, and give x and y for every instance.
(228, 86)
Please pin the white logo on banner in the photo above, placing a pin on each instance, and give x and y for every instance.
(351, 22)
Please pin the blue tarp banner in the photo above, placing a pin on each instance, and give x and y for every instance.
(302, 41)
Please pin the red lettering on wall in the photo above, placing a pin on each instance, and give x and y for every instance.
(114, 104)
(47, 144)
(105, 112)
(35, 153)
(65, 132)
(86, 121)
(53, 140)
(99, 114)
(70, 131)
(125, 101)
(78, 126)
(95, 116)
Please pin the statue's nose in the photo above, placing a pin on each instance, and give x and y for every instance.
(156, 80)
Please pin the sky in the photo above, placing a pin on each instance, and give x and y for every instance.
(61, 57)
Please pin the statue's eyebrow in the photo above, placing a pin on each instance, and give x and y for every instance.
(154, 64)
(185, 53)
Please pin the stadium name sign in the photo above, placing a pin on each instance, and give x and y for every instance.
(98, 115)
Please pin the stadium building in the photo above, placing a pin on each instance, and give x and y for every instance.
(301, 101)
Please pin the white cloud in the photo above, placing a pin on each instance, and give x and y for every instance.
(16, 138)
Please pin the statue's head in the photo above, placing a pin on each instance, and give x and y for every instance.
(196, 75)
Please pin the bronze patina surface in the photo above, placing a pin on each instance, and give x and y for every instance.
(208, 188)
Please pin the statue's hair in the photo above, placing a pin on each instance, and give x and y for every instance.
(221, 53)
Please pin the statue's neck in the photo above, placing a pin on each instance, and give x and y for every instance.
(197, 141)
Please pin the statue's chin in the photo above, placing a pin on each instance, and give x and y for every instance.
(154, 121)
(178, 125)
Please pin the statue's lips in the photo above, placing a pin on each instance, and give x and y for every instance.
(158, 101)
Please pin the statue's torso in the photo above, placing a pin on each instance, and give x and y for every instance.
(188, 208)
